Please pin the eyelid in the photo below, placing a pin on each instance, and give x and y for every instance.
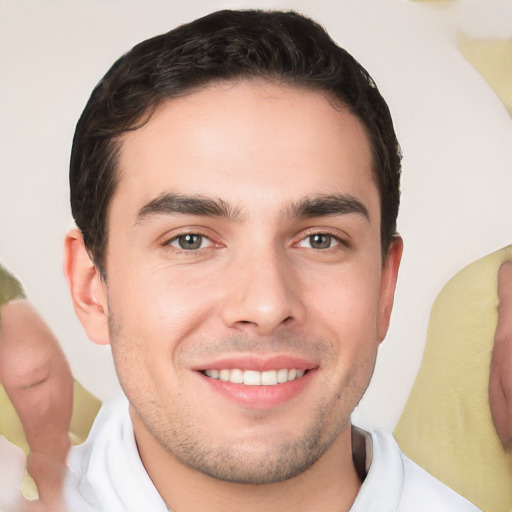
(343, 238)
(173, 235)
(177, 238)
(334, 242)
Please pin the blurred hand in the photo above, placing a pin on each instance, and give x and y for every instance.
(37, 378)
(500, 379)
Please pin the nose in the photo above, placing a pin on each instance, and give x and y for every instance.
(261, 293)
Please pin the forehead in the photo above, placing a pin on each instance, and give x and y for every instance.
(235, 140)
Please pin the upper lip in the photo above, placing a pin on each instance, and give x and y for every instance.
(255, 362)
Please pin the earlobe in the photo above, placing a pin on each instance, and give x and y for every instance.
(388, 285)
(87, 287)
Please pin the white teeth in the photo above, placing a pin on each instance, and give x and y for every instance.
(282, 376)
(269, 378)
(252, 378)
(255, 378)
(237, 376)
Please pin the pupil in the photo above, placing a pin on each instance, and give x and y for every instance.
(190, 241)
(321, 241)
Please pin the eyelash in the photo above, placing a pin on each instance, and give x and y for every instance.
(205, 238)
(181, 250)
(335, 237)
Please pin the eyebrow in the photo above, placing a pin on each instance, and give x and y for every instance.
(318, 206)
(171, 204)
(325, 205)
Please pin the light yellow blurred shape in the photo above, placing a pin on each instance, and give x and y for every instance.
(446, 426)
(493, 59)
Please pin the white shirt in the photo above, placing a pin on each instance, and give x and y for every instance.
(107, 475)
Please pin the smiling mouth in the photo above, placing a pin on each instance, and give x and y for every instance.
(254, 377)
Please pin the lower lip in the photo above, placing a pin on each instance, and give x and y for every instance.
(259, 397)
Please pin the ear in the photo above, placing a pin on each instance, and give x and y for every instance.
(388, 284)
(87, 287)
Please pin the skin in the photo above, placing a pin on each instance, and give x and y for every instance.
(37, 378)
(258, 286)
(500, 380)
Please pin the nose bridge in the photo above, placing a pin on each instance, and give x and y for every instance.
(260, 293)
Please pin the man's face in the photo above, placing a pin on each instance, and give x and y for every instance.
(246, 292)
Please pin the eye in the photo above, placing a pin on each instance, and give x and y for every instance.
(190, 242)
(319, 241)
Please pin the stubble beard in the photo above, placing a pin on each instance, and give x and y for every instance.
(256, 461)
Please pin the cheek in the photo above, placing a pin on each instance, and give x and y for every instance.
(164, 296)
(348, 316)
(154, 313)
(347, 301)
(181, 305)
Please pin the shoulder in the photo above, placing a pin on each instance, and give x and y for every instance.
(397, 484)
(420, 485)
(106, 471)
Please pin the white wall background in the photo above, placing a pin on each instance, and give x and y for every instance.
(455, 134)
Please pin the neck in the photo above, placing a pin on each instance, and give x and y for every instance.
(330, 484)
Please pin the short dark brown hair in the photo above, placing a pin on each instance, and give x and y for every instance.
(282, 47)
